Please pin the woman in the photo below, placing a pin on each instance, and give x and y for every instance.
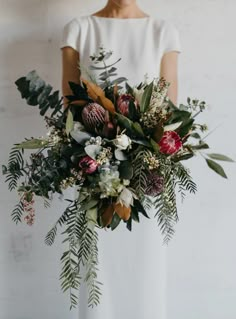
(132, 264)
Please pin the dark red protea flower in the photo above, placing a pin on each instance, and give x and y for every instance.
(123, 103)
(93, 116)
(88, 165)
(155, 184)
(170, 142)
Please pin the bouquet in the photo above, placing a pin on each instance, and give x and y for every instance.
(121, 147)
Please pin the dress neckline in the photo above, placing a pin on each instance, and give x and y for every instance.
(120, 19)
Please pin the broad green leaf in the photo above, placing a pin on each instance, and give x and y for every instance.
(138, 129)
(126, 170)
(123, 120)
(146, 97)
(69, 122)
(34, 143)
(220, 157)
(155, 146)
(141, 142)
(134, 214)
(89, 204)
(216, 167)
(200, 146)
(115, 221)
(92, 214)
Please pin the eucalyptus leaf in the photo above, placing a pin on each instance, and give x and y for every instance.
(118, 80)
(146, 97)
(216, 167)
(220, 157)
(69, 122)
(80, 137)
(195, 135)
(93, 150)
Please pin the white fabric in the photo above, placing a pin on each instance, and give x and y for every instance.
(131, 264)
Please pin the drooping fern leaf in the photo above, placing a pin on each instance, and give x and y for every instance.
(15, 167)
(50, 237)
(82, 252)
(17, 212)
(91, 275)
(165, 203)
(139, 179)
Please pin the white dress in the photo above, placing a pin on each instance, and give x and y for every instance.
(132, 265)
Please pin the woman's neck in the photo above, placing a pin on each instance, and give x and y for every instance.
(115, 10)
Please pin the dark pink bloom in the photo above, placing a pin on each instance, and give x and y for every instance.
(93, 116)
(123, 103)
(88, 165)
(155, 184)
(170, 142)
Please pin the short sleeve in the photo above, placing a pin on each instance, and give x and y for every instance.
(171, 38)
(70, 35)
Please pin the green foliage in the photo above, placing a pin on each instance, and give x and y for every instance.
(146, 97)
(216, 167)
(165, 203)
(220, 157)
(15, 167)
(139, 180)
(37, 92)
(83, 251)
(17, 212)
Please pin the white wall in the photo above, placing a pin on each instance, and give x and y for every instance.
(200, 274)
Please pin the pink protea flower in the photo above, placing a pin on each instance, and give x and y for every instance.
(155, 184)
(93, 116)
(170, 142)
(123, 103)
(88, 165)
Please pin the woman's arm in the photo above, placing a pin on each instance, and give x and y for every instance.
(70, 70)
(169, 71)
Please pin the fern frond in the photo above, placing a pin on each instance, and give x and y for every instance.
(17, 212)
(91, 275)
(165, 203)
(15, 167)
(139, 179)
(50, 237)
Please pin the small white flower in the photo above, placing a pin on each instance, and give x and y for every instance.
(122, 142)
(138, 94)
(78, 126)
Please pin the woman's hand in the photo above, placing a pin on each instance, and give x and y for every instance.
(70, 70)
(169, 71)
